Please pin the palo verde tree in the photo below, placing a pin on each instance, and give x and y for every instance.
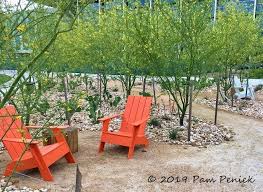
(98, 47)
(185, 51)
(13, 21)
(17, 21)
(147, 30)
(236, 37)
(123, 47)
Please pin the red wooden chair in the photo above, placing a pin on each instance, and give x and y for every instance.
(24, 151)
(133, 124)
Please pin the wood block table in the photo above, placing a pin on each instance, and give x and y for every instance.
(71, 136)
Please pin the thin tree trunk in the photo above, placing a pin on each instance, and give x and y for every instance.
(105, 83)
(232, 92)
(190, 112)
(66, 98)
(169, 99)
(99, 81)
(86, 82)
(154, 91)
(183, 113)
(247, 87)
(217, 97)
(28, 92)
(144, 85)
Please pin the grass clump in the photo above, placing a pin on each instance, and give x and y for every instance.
(173, 134)
(155, 122)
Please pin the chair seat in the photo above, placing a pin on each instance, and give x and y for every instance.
(44, 150)
(124, 134)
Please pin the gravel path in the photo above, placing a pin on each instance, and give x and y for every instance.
(112, 171)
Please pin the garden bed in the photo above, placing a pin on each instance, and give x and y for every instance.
(203, 132)
(251, 108)
(12, 187)
(167, 130)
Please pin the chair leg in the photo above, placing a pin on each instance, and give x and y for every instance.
(70, 158)
(46, 174)
(42, 166)
(131, 152)
(9, 169)
(101, 147)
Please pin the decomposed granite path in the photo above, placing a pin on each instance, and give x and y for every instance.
(233, 166)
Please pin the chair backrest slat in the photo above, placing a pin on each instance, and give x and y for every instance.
(137, 108)
(11, 126)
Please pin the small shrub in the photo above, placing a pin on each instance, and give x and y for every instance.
(106, 95)
(242, 105)
(138, 83)
(206, 97)
(155, 122)
(220, 102)
(115, 89)
(72, 106)
(43, 106)
(93, 87)
(145, 94)
(93, 109)
(60, 87)
(166, 117)
(115, 102)
(73, 84)
(48, 84)
(258, 88)
(173, 134)
(149, 83)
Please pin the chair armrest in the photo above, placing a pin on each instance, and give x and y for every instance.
(15, 140)
(110, 117)
(106, 121)
(59, 127)
(138, 123)
(33, 127)
(51, 127)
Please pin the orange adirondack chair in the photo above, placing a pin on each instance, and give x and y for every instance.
(24, 151)
(133, 124)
